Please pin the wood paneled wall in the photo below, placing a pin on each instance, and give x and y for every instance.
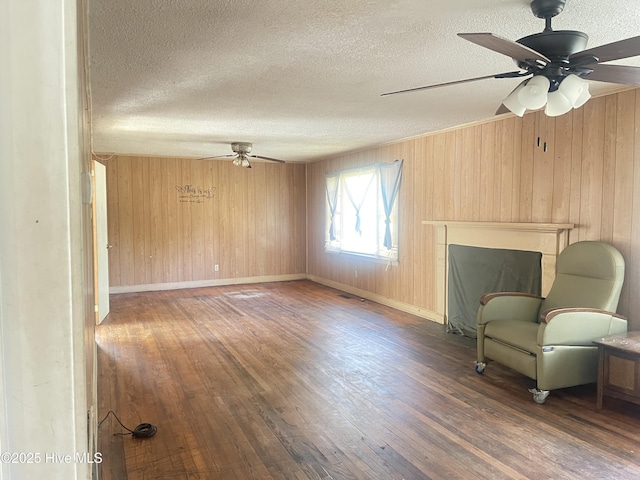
(164, 229)
(581, 168)
(578, 168)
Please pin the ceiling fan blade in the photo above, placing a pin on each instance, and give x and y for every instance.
(446, 84)
(502, 109)
(622, 74)
(267, 158)
(217, 156)
(629, 47)
(507, 47)
(583, 61)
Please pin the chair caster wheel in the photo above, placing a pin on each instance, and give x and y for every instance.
(480, 366)
(539, 396)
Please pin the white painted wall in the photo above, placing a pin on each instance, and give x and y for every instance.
(42, 380)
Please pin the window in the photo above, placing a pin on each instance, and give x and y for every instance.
(362, 211)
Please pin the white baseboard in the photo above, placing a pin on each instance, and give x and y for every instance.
(389, 302)
(152, 287)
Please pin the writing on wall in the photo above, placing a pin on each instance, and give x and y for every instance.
(192, 194)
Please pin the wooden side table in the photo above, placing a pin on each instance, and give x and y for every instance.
(619, 367)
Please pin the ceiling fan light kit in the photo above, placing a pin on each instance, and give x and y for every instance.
(241, 161)
(512, 103)
(557, 104)
(538, 91)
(533, 95)
(242, 149)
(557, 64)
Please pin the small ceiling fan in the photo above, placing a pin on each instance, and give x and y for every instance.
(241, 156)
(556, 62)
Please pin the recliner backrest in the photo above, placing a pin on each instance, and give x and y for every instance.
(589, 275)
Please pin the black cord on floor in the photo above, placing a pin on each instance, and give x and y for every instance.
(144, 430)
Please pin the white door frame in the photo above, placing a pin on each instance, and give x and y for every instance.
(101, 240)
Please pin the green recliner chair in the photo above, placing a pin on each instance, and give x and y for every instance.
(551, 339)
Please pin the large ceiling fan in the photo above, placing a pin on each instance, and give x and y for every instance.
(556, 64)
(241, 155)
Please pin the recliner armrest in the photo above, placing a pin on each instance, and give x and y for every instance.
(490, 296)
(551, 314)
(579, 326)
(517, 306)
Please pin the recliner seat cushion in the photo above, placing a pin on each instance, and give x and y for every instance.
(522, 335)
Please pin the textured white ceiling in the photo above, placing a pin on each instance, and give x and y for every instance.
(302, 79)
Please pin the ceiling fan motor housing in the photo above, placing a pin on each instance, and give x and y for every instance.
(241, 147)
(547, 8)
(556, 44)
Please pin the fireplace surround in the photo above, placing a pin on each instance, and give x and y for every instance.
(547, 238)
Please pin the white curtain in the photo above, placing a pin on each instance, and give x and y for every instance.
(332, 184)
(390, 177)
(357, 189)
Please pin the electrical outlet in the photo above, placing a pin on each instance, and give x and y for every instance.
(216, 267)
(356, 273)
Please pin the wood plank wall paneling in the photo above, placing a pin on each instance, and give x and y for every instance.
(270, 220)
(254, 225)
(578, 168)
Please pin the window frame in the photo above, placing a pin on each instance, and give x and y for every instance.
(379, 253)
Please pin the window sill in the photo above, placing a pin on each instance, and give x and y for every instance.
(364, 256)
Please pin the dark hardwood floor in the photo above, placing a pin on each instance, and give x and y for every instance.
(298, 381)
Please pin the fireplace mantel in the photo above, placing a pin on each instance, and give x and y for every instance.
(547, 238)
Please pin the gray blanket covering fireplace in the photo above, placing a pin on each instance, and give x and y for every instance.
(475, 271)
